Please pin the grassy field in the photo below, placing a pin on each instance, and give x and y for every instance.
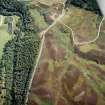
(4, 37)
(85, 24)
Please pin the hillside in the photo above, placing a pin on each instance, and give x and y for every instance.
(69, 74)
(55, 54)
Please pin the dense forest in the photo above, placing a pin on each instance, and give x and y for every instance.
(20, 53)
(90, 5)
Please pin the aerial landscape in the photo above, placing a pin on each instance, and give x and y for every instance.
(52, 52)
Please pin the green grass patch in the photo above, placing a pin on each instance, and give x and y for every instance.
(4, 37)
(39, 20)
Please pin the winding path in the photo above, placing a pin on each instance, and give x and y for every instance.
(87, 42)
(42, 44)
(43, 40)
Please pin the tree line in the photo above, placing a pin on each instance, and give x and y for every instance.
(90, 5)
(20, 53)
